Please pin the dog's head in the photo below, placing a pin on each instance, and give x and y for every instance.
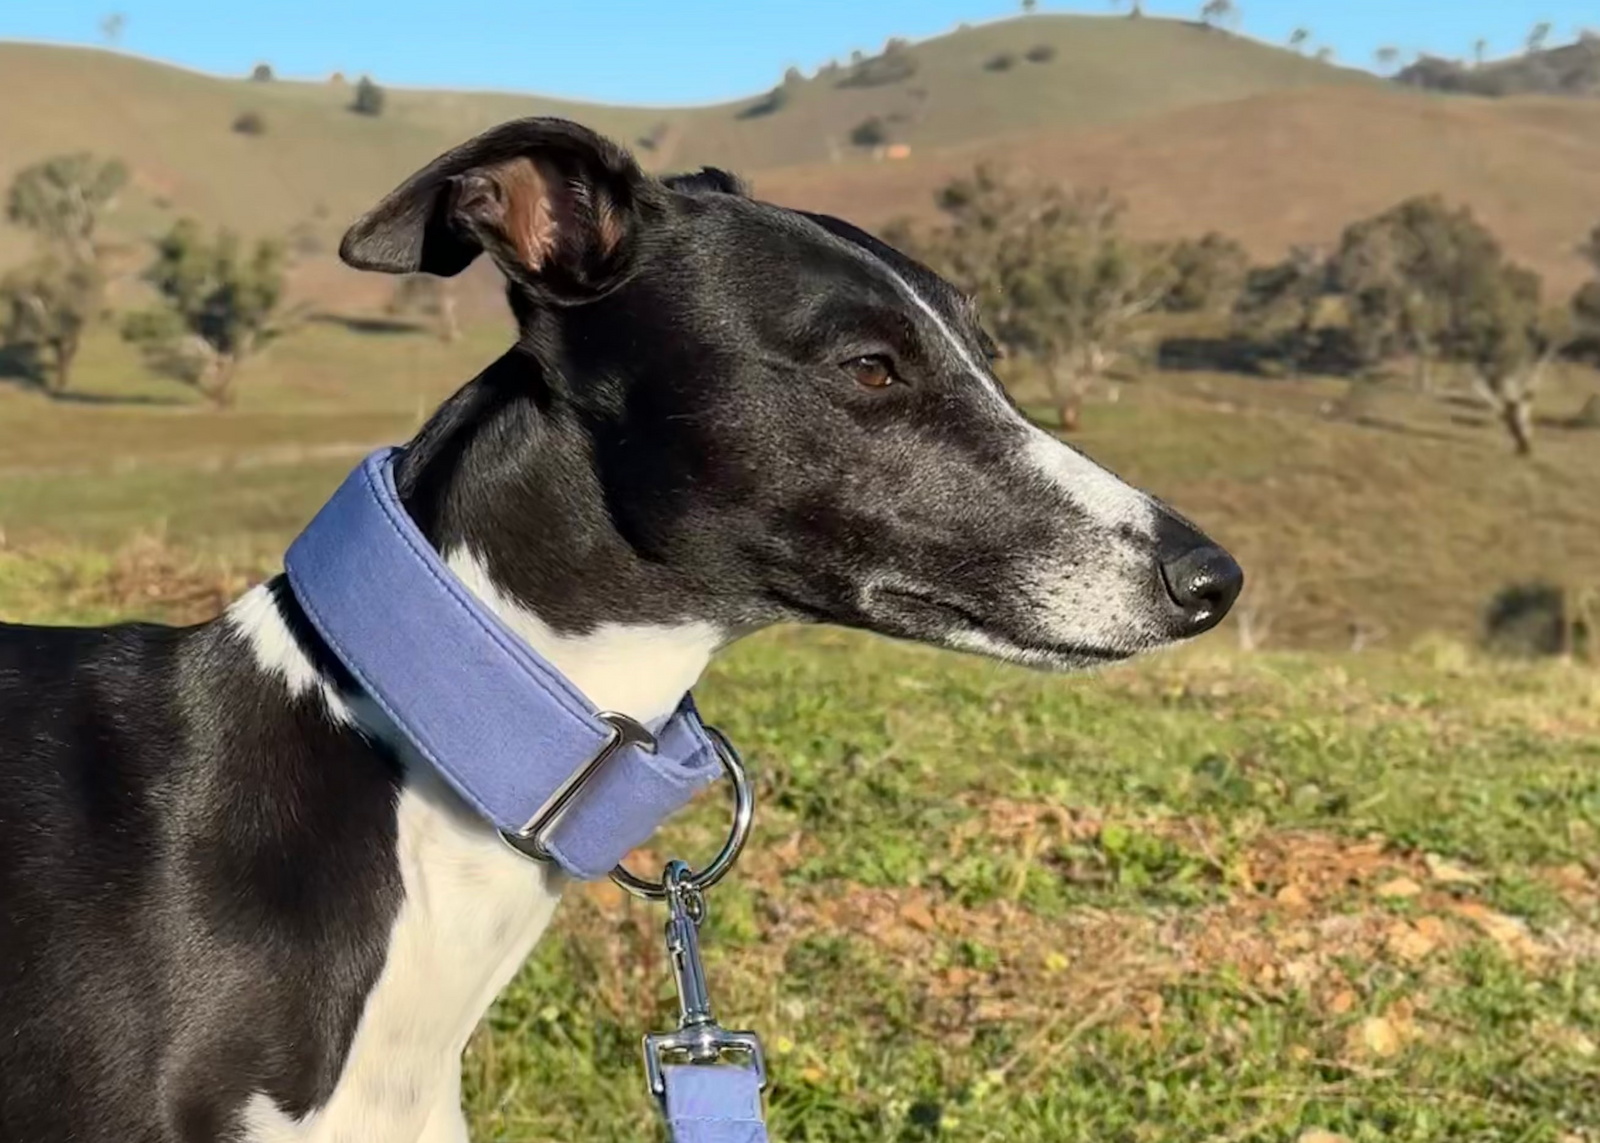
(719, 409)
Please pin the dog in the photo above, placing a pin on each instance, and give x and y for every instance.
(236, 905)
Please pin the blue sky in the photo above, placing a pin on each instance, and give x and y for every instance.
(680, 51)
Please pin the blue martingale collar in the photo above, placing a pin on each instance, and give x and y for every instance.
(505, 729)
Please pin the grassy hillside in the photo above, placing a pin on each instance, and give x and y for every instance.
(1401, 523)
(173, 127)
(1286, 168)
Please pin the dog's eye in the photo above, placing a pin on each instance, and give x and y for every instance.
(873, 371)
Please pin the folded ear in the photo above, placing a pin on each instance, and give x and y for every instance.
(558, 207)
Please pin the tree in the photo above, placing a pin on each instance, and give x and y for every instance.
(47, 305)
(62, 200)
(1030, 6)
(1056, 279)
(45, 308)
(1480, 51)
(1215, 13)
(1387, 57)
(1299, 38)
(1431, 281)
(250, 123)
(369, 98)
(1325, 54)
(1538, 35)
(1586, 302)
(1204, 273)
(219, 305)
(261, 73)
(1135, 7)
(112, 26)
(1284, 300)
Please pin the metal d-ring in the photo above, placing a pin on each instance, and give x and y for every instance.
(744, 809)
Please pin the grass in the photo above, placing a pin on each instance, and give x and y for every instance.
(1396, 526)
(1209, 896)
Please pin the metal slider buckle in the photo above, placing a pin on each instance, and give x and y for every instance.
(698, 1039)
(530, 839)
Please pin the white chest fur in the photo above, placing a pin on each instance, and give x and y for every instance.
(472, 910)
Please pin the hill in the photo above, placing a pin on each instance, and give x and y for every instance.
(1292, 167)
(318, 162)
(1571, 70)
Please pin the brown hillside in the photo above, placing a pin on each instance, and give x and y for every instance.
(1288, 168)
(317, 160)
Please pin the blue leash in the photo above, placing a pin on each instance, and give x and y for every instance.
(714, 1094)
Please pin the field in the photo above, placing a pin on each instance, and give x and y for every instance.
(1328, 876)
(1214, 895)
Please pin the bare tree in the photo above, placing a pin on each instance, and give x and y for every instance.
(1480, 50)
(1215, 13)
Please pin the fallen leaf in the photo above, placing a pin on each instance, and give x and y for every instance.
(1377, 1036)
(1409, 942)
(1292, 897)
(1342, 1002)
(1449, 873)
(1509, 933)
(1400, 887)
(918, 916)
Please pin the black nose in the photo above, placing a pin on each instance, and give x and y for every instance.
(1203, 581)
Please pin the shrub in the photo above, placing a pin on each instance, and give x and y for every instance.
(873, 132)
(769, 104)
(1539, 620)
(894, 65)
(261, 73)
(1041, 53)
(369, 98)
(1005, 61)
(250, 123)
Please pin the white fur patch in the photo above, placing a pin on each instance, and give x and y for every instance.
(1104, 498)
(256, 617)
(1107, 500)
(473, 909)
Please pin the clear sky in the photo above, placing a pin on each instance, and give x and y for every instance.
(681, 51)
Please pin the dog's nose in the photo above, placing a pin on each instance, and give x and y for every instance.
(1203, 581)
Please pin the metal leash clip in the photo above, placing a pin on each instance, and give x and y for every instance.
(698, 1039)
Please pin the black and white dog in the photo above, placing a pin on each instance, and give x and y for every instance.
(234, 906)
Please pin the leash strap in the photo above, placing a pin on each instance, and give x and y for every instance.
(708, 1078)
(505, 729)
(713, 1103)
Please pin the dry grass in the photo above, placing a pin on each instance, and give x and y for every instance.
(173, 127)
(1291, 167)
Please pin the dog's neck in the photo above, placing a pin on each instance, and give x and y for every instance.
(473, 909)
(638, 669)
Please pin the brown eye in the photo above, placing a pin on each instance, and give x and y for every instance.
(873, 371)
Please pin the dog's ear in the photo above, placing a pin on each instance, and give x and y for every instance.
(558, 207)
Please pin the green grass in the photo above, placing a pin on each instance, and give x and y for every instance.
(989, 905)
